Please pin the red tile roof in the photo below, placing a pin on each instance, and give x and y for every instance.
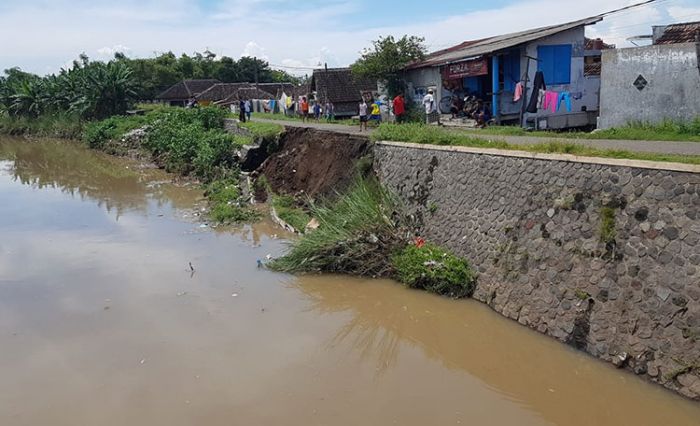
(680, 33)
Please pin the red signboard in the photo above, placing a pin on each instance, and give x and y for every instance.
(471, 68)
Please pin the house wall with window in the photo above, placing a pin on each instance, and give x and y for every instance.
(561, 57)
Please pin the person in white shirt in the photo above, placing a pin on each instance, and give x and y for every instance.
(363, 114)
(429, 104)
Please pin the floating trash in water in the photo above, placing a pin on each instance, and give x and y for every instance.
(268, 257)
(182, 293)
(143, 361)
(260, 264)
(191, 267)
(234, 295)
(204, 225)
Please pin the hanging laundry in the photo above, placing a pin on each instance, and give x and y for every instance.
(551, 100)
(519, 88)
(538, 84)
(540, 99)
(566, 97)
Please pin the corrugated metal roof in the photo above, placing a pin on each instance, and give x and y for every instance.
(477, 48)
(679, 33)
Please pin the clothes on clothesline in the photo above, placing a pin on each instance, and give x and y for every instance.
(552, 101)
(519, 89)
(538, 85)
(566, 97)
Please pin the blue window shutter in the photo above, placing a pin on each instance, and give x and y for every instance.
(562, 64)
(555, 63)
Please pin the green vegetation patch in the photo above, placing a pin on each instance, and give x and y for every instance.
(431, 268)
(263, 130)
(667, 130)
(57, 125)
(226, 206)
(355, 235)
(288, 210)
(433, 135)
(607, 225)
(364, 233)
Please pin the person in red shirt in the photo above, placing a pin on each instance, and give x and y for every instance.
(400, 108)
(304, 109)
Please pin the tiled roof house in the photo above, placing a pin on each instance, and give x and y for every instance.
(342, 88)
(180, 93)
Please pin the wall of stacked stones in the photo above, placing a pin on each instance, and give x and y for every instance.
(603, 257)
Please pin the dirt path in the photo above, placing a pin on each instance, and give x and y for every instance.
(658, 147)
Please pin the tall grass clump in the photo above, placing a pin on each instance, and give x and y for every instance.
(365, 233)
(355, 235)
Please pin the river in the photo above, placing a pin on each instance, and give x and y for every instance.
(102, 322)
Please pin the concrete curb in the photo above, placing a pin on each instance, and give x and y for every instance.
(641, 164)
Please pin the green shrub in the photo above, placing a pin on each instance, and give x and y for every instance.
(433, 269)
(209, 117)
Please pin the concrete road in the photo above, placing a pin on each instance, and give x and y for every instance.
(657, 147)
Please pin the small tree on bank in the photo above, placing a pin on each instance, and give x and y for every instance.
(387, 58)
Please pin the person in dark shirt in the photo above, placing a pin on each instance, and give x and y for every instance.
(482, 114)
(241, 110)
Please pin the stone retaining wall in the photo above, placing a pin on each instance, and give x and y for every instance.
(605, 258)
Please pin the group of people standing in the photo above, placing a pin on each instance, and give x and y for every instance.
(244, 110)
(305, 109)
(372, 111)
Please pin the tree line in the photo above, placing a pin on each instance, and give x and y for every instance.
(97, 89)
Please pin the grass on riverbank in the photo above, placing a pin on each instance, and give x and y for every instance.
(364, 233)
(432, 135)
(64, 126)
(667, 130)
(354, 235)
(288, 210)
(263, 130)
(189, 142)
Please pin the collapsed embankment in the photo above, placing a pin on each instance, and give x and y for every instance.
(602, 255)
(313, 162)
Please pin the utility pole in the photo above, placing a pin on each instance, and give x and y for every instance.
(255, 62)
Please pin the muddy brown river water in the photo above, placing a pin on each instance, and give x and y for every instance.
(103, 323)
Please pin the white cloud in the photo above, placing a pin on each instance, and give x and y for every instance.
(254, 50)
(679, 13)
(108, 52)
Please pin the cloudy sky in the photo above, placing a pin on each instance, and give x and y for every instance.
(43, 35)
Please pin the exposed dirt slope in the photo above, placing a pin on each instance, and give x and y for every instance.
(319, 163)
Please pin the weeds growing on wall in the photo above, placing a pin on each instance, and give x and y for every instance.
(607, 225)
